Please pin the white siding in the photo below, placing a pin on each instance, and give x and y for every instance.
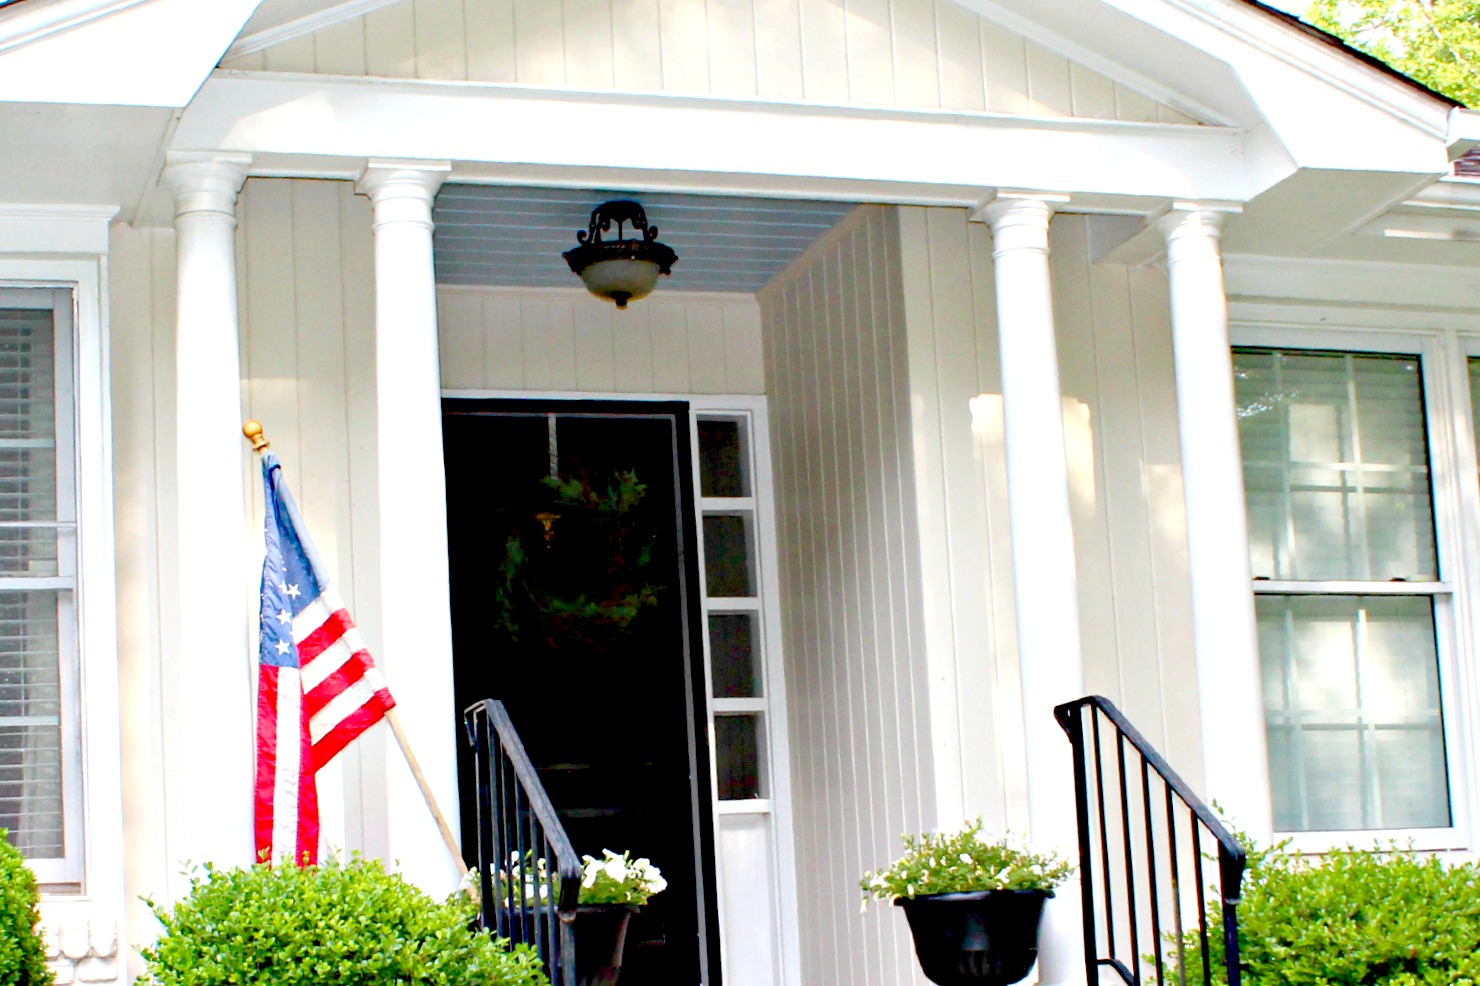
(142, 320)
(1121, 431)
(565, 340)
(861, 765)
(305, 282)
(924, 54)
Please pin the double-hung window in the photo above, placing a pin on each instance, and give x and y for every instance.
(40, 729)
(1354, 613)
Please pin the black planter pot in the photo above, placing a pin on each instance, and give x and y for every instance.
(983, 938)
(600, 930)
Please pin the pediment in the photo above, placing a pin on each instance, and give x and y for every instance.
(916, 54)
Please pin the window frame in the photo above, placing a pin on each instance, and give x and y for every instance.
(66, 869)
(1455, 494)
(68, 250)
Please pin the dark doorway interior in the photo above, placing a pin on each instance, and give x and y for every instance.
(570, 538)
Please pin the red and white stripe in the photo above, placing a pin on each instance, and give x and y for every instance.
(344, 693)
(287, 798)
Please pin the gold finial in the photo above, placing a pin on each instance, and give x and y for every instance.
(253, 431)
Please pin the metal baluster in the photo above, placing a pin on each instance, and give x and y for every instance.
(483, 766)
(1176, 888)
(1104, 834)
(1230, 874)
(1202, 903)
(1130, 862)
(1155, 890)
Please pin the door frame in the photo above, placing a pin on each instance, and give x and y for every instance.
(690, 585)
(784, 916)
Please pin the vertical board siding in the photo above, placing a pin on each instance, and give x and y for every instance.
(141, 290)
(920, 54)
(835, 367)
(304, 271)
(1115, 364)
(563, 339)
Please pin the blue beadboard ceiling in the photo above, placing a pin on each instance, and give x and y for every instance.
(492, 235)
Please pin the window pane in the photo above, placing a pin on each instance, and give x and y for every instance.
(737, 753)
(727, 568)
(722, 466)
(30, 722)
(732, 652)
(1351, 697)
(1335, 465)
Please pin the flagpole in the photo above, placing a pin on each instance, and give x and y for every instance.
(253, 431)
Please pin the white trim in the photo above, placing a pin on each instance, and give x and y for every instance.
(1261, 32)
(32, 229)
(34, 21)
(290, 121)
(1276, 587)
(307, 24)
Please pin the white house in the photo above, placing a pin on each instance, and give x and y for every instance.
(1212, 455)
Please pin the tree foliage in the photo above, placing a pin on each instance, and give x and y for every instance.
(1436, 42)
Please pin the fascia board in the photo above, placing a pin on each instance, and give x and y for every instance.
(136, 52)
(1430, 286)
(329, 117)
(42, 18)
(1281, 75)
(1464, 131)
(258, 38)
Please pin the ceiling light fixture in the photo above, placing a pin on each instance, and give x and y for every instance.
(620, 270)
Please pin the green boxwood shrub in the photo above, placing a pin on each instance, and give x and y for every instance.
(1354, 918)
(348, 924)
(22, 955)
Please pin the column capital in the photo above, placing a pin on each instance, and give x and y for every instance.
(1019, 220)
(205, 182)
(1202, 219)
(401, 191)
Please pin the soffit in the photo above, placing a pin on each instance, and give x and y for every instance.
(514, 237)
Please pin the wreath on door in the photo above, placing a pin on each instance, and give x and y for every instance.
(580, 569)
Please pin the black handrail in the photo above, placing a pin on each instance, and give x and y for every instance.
(1130, 855)
(529, 874)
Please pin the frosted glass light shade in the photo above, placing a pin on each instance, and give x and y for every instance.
(621, 280)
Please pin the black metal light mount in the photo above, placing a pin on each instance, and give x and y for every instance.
(620, 270)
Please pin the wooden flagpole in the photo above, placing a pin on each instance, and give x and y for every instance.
(253, 431)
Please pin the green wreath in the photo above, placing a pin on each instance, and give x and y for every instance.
(577, 571)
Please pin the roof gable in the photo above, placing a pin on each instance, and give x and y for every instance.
(921, 54)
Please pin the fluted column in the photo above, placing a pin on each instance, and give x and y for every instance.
(207, 677)
(1235, 766)
(416, 632)
(1045, 583)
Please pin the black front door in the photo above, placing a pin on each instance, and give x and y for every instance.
(570, 537)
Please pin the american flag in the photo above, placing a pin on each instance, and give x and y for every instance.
(317, 686)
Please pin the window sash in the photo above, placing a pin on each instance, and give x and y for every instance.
(1437, 395)
(56, 579)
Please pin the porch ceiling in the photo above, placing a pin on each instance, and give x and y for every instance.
(494, 235)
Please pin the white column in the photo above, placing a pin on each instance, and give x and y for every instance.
(207, 673)
(1045, 584)
(1235, 766)
(416, 632)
